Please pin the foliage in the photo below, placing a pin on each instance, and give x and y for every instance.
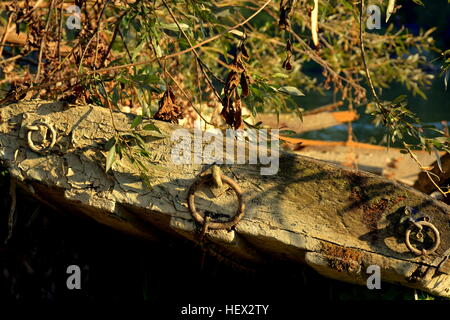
(120, 41)
(446, 66)
(263, 55)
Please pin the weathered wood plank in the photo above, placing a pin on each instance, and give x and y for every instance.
(390, 163)
(338, 221)
(310, 122)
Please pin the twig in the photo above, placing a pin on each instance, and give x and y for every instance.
(97, 27)
(45, 85)
(363, 58)
(116, 31)
(47, 23)
(413, 156)
(11, 58)
(38, 4)
(186, 50)
(12, 211)
(203, 65)
(109, 106)
(59, 32)
(311, 53)
(177, 84)
(5, 34)
(384, 111)
(125, 45)
(72, 51)
(200, 62)
(188, 99)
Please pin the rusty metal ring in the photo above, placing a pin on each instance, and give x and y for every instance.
(216, 225)
(420, 225)
(35, 127)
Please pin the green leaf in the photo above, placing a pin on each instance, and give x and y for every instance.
(158, 50)
(146, 78)
(115, 96)
(136, 122)
(173, 26)
(137, 51)
(280, 75)
(111, 157)
(419, 2)
(122, 79)
(287, 132)
(144, 153)
(151, 127)
(258, 124)
(399, 99)
(293, 91)
(119, 150)
(139, 141)
(347, 5)
(446, 76)
(390, 9)
(102, 91)
(238, 33)
(110, 143)
(299, 111)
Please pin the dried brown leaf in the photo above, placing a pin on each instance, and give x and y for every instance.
(168, 110)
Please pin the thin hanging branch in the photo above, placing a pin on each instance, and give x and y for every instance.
(198, 45)
(363, 57)
(384, 111)
(44, 36)
(202, 65)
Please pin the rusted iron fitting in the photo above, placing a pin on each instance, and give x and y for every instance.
(420, 225)
(205, 221)
(36, 127)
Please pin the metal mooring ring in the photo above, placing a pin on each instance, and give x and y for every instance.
(35, 127)
(420, 225)
(216, 225)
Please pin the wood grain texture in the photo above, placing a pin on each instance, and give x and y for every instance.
(338, 221)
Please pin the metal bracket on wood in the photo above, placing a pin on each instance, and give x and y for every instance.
(35, 127)
(218, 177)
(414, 220)
(420, 225)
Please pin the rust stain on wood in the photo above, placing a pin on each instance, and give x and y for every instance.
(342, 259)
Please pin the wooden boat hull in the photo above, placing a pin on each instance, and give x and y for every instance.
(337, 220)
